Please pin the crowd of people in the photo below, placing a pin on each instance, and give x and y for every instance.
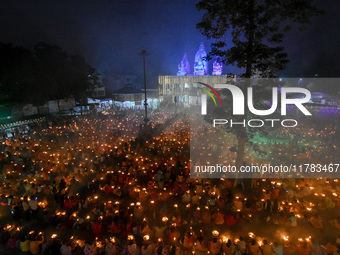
(106, 185)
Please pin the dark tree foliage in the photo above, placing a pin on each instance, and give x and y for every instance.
(42, 74)
(257, 29)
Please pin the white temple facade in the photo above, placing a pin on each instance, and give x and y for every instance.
(184, 85)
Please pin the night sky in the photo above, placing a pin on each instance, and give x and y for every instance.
(109, 34)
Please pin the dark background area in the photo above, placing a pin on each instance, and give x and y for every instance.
(109, 34)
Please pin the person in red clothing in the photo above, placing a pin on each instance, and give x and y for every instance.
(108, 189)
(150, 185)
(173, 235)
(230, 219)
(276, 192)
(67, 203)
(97, 228)
(129, 227)
(74, 202)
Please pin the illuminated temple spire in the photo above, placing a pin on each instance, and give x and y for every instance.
(201, 64)
(217, 66)
(184, 66)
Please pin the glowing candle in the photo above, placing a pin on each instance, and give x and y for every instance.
(215, 233)
(225, 239)
(251, 234)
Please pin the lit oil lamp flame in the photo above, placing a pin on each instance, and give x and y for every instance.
(285, 238)
(225, 239)
(251, 235)
(215, 233)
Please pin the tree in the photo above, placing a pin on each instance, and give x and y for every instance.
(42, 74)
(257, 29)
(15, 73)
(62, 75)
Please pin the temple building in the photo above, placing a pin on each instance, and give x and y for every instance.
(217, 66)
(184, 66)
(201, 64)
(184, 85)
